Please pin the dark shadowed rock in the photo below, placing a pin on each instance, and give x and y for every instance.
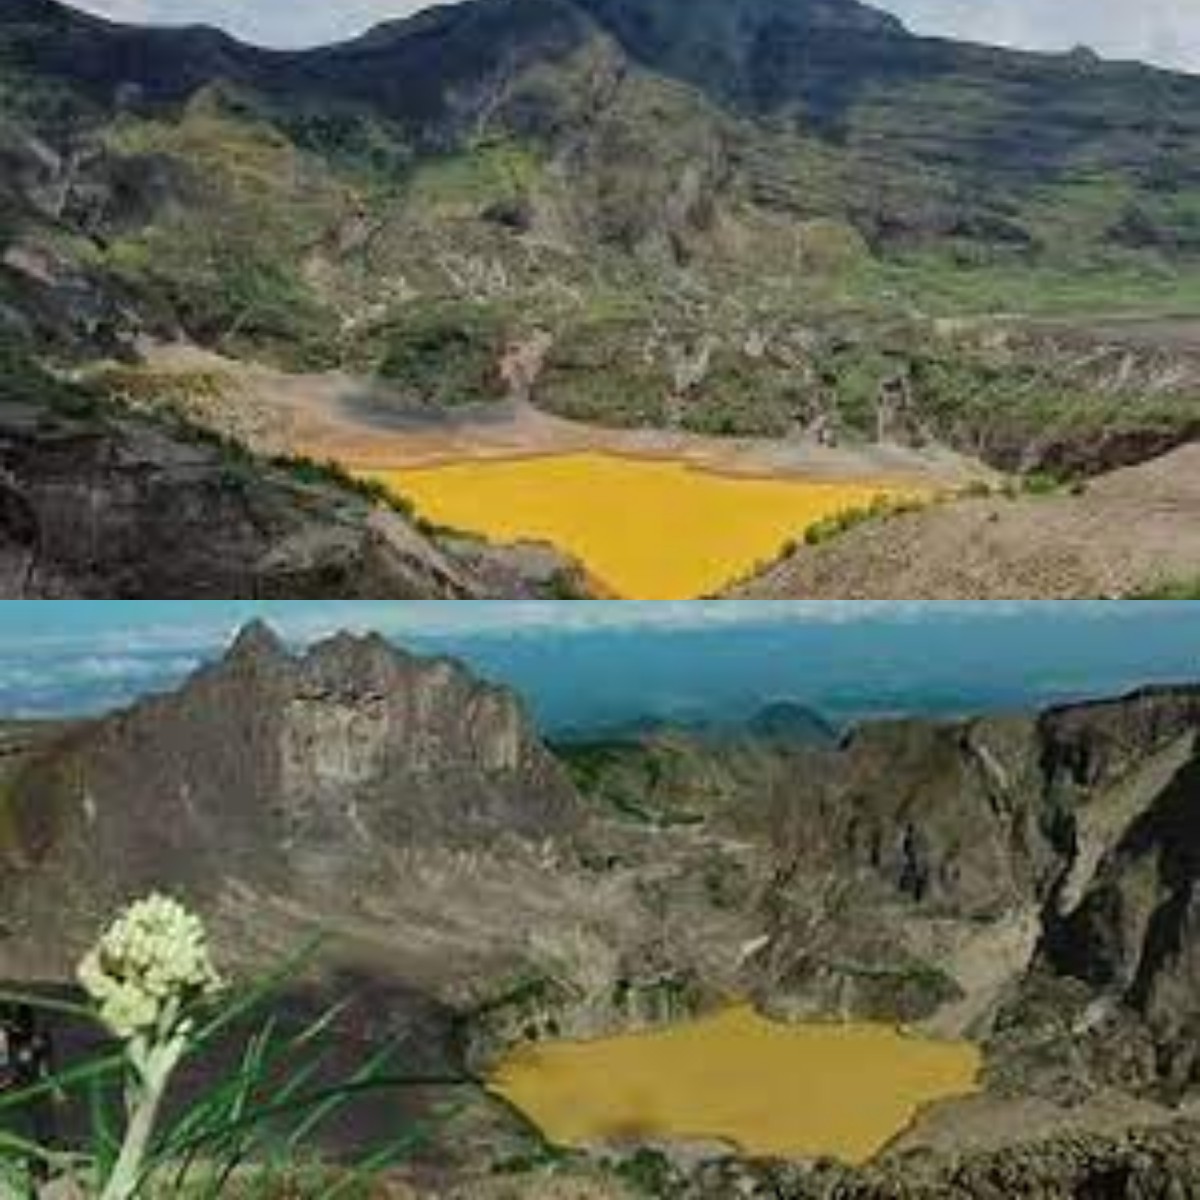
(99, 505)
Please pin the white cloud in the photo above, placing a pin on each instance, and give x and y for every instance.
(1162, 31)
(130, 650)
(283, 23)
(305, 623)
(67, 661)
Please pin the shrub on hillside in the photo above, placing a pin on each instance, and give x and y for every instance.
(444, 355)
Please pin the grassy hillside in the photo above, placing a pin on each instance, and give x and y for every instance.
(740, 218)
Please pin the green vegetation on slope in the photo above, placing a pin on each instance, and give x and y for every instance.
(232, 277)
(1186, 590)
(445, 354)
(710, 236)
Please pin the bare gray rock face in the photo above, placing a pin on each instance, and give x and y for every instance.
(96, 506)
(292, 775)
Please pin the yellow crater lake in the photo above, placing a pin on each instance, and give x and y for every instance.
(770, 1089)
(646, 529)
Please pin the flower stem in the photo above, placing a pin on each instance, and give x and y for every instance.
(153, 1074)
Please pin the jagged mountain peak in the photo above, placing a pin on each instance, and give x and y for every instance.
(262, 673)
(369, 663)
(257, 642)
(291, 772)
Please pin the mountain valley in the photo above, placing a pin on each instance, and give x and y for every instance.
(795, 225)
(1020, 882)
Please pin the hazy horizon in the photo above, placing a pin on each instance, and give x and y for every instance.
(591, 665)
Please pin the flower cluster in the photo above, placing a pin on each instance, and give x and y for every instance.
(149, 965)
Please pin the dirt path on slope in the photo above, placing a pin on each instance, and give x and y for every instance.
(1133, 529)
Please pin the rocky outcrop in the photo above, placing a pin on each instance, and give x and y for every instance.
(1151, 1164)
(293, 777)
(923, 871)
(1145, 1164)
(94, 504)
(267, 762)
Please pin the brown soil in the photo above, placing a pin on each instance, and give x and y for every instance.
(1130, 530)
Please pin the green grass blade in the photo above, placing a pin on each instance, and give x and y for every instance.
(106, 1144)
(47, 1004)
(386, 1157)
(61, 1082)
(324, 1111)
(258, 993)
(14, 1146)
(195, 1117)
(308, 1101)
(212, 1115)
(252, 1074)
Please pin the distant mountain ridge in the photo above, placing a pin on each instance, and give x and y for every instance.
(784, 720)
(789, 721)
(832, 63)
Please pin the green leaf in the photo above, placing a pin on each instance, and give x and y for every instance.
(48, 1004)
(62, 1081)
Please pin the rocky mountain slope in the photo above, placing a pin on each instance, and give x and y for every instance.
(282, 776)
(1131, 532)
(733, 218)
(99, 502)
(825, 66)
(1025, 880)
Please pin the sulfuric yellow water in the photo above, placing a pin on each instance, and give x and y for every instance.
(647, 529)
(803, 1091)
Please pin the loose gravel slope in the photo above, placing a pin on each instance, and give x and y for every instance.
(1130, 531)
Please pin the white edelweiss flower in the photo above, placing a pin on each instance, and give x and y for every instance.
(153, 960)
(127, 1012)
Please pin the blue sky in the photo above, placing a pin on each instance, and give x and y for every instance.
(1162, 31)
(591, 664)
